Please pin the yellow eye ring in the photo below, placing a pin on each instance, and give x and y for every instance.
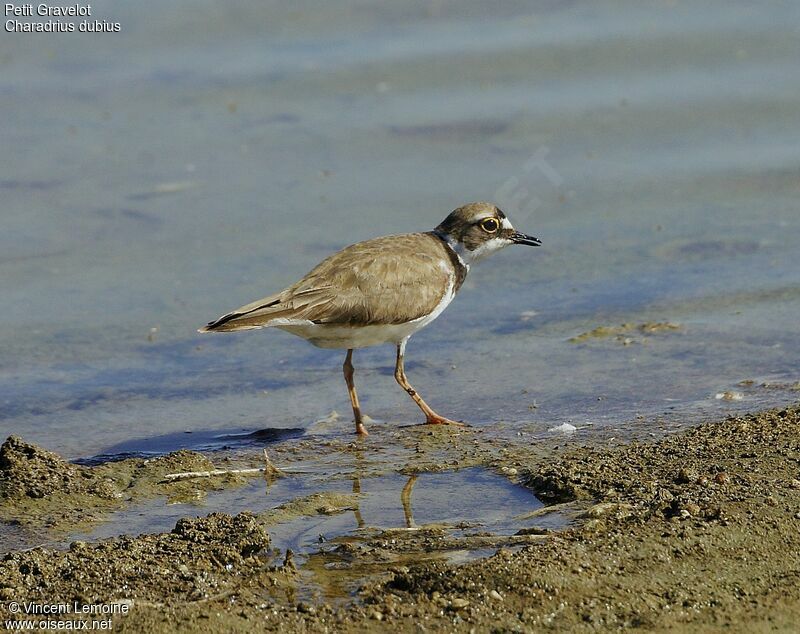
(490, 225)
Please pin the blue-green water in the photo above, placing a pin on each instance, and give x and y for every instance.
(211, 153)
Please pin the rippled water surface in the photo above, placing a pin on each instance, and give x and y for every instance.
(211, 153)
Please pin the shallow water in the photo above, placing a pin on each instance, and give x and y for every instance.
(390, 501)
(208, 155)
(466, 513)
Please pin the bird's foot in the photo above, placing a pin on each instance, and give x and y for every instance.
(361, 430)
(441, 420)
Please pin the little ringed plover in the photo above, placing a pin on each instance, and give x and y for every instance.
(382, 291)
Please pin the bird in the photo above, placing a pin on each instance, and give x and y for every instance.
(382, 291)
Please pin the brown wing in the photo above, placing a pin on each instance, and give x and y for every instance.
(387, 280)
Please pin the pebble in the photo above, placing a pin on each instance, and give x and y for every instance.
(693, 509)
(795, 484)
(378, 616)
(459, 603)
(494, 594)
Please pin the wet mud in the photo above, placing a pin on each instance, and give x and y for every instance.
(46, 495)
(697, 530)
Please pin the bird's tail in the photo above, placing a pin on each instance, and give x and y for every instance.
(258, 314)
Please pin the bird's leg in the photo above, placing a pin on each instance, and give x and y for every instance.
(431, 417)
(347, 368)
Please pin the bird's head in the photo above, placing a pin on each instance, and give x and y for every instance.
(479, 229)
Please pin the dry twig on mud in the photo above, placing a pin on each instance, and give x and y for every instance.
(269, 470)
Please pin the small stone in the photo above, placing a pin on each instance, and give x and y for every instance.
(693, 509)
(722, 478)
(795, 484)
(797, 515)
(685, 514)
(459, 603)
(376, 615)
(494, 594)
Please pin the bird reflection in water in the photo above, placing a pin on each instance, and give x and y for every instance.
(405, 494)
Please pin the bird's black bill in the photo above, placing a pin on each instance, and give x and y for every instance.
(521, 238)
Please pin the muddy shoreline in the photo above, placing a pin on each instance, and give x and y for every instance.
(695, 531)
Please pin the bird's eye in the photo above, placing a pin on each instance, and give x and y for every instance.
(490, 225)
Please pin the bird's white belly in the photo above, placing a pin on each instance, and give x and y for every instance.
(342, 336)
(338, 336)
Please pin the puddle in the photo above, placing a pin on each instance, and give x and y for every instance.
(342, 529)
(457, 516)
(457, 500)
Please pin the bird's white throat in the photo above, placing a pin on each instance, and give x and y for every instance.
(468, 257)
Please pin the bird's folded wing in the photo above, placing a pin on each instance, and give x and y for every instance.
(382, 281)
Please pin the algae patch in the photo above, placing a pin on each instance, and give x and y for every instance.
(625, 333)
(327, 503)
